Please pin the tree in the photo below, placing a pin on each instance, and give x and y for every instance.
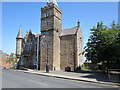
(12, 58)
(103, 45)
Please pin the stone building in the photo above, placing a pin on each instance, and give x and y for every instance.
(60, 48)
(27, 49)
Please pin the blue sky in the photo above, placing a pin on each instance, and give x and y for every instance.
(119, 12)
(27, 15)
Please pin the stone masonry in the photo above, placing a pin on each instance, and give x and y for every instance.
(60, 48)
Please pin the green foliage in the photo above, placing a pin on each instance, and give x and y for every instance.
(83, 67)
(12, 68)
(12, 58)
(78, 68)
(104, 45)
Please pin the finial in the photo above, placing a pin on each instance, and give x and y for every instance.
(49, 2)
(78, 23)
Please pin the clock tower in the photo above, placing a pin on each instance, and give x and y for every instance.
(51, 17)
(51, 27)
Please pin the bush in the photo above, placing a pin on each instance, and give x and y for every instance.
(83, 67)
(78, 68)
(12, 67)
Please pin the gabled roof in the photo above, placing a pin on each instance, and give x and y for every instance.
(20, 33)
(69, 31)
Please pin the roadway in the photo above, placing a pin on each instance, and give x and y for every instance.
(15, 79)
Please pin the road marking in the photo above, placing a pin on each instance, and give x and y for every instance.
(38, 82)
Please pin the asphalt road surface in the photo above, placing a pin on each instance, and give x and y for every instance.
(15, 79)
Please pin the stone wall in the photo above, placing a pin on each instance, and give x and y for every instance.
(51, 26)
(79, 47)
(46, 50)
(18, 46)
(50, 50)
(56, 51)
(67, 52)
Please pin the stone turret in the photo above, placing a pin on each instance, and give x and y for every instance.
(19, 39)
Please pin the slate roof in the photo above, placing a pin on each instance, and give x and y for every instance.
(20, 33)
(69, 31)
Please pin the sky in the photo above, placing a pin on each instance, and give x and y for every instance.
(27, 15)
(119, 12)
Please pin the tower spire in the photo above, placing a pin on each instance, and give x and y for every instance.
(20, 33)
(52, 2)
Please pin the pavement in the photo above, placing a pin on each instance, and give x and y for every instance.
(99, 78)
(20, 79)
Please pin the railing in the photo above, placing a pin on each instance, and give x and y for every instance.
(114, 75)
